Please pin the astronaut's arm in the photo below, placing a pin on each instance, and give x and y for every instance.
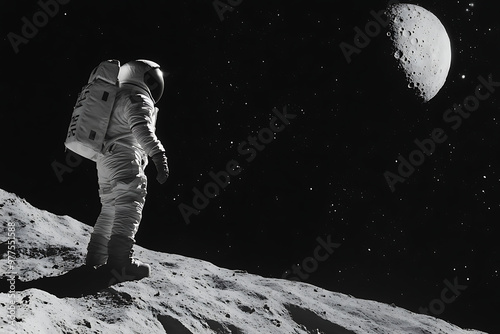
(141, 121)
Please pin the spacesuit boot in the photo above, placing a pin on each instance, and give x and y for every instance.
(97, 250)
(120, 261)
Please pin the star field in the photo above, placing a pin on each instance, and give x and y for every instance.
(323, 175)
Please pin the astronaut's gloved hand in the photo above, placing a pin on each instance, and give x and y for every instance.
(160, 161)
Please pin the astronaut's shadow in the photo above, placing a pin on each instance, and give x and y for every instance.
(78, 282)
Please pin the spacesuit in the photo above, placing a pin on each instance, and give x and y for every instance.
(130, 140)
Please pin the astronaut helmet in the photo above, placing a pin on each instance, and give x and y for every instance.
(145, 74)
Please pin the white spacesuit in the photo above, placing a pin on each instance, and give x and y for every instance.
(130, 139)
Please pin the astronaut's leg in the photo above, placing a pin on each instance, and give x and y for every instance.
(97, 249)
(129, 202)
(129, 198)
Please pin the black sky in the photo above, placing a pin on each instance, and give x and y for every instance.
(321, 177)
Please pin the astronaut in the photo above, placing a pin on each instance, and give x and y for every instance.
(130, 140)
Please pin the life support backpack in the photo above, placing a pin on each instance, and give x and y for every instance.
(92, 111)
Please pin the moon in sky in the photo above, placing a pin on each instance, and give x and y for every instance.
(421, 47)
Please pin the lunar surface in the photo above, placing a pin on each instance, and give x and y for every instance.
(182, 296)
(421, 47)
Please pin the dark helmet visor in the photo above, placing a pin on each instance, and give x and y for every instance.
(153, 78)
